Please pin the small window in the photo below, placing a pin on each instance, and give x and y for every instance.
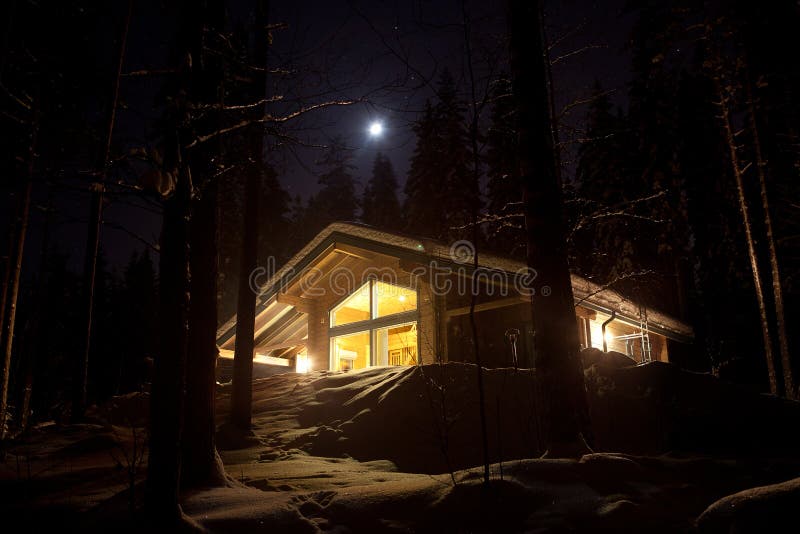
(389, 299)
(352, 309)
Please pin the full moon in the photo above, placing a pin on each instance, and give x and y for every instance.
(375, 129)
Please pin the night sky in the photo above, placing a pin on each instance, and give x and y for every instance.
(388, 55)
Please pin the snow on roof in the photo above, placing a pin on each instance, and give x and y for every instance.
(586, 293)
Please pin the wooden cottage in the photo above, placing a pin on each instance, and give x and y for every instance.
(358, 297)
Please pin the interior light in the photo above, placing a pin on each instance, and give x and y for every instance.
(302, 363)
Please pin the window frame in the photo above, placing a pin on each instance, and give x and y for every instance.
(373, 324)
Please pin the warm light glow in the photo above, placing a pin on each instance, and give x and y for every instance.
(270, 360)
(375, 129)
(390, 299)
(302, 363)
(608, 337)
(597, 334)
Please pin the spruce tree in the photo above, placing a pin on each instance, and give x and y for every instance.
(423, 195)
(440, 190)
(659, 244)
(604, 245)
(504, 189)
(337, 200)
(380, 206)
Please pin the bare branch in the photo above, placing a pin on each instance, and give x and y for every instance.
(240, 107)
(581, 140)
(149, 72)
(575, 103)
(566, 35)
(15, 98)
(575, 52)
(618, 210)
(268, 119)
(152, 246)
(12, 117)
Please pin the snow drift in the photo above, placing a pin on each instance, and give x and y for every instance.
(425, 419)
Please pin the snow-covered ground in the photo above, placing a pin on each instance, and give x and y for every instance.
(373, 451)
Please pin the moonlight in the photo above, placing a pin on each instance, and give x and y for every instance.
(375, 129)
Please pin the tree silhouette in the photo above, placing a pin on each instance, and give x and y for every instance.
(337, 200)
(440, 191)
(379, 203)
(558, 361)
(504, 189)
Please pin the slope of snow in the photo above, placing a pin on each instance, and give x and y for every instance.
(770, 508)
(394, 450)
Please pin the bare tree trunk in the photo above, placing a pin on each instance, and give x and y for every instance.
(777, 290)
(80, 378)
(7, 263)
(15, 268)
(35, 332)
(167, 396)
(558, 363)
(242, 380)
(202, 464)
(727, 131)
(476, 174)
(93, 240)
(242, 386)
(11, 224)
(24, 202)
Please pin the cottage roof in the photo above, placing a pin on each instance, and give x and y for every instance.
(423, 250)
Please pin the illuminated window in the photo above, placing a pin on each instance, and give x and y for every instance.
(396, 345)
(390, 299)
(376, 325)
(387, 299)
(350, 351)
(352, 309)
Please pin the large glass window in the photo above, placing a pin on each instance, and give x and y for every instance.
(373, 300)
(354, 308)
(364, 330)
(390, 299)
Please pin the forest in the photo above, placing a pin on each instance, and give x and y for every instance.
(158, 153)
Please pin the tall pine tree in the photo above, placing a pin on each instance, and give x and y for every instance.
(604, 245)
(440, 190)
(337, 200)
(379, 204)
(504, 190)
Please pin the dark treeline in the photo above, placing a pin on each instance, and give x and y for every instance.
(124, 339)
(655, 202)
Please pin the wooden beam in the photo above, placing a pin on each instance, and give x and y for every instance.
(282, 345)
(300, 304)
(324, 280)
(360, 253)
